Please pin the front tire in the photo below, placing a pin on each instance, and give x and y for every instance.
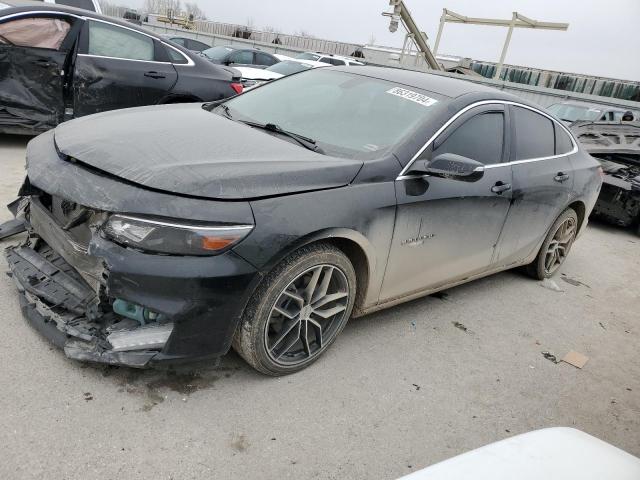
(556, 246)
(297, 311)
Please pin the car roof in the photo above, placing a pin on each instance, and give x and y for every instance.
(441, 84)
(25, 6)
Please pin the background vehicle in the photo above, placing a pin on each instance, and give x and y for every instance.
(550, 454)
(188, 43)
(239, 57)
(91, 5)
(106, 65)
(329, 58)
(252, 77)
(617, 148)
(572, 111)
(267, 219)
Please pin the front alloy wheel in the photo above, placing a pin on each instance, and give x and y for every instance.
(556, 246)
(298, 310)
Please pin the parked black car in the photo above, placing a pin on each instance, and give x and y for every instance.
(188, 43)
(240, 57)
(269, 219)
(57, 63)
(617, 147)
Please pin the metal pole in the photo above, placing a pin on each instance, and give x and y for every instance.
(506, 46)
(440, 28)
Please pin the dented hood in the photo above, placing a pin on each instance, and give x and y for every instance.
(187, 150)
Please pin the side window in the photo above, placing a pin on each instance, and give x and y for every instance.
(175, 56)
(242, 57)
(335, 61)
(563, 142)
(179, 41)
(196, 45)
(534, 134)
(264, 59)
(326, 60)
(35, 32)
(479, 138)
(112, 41)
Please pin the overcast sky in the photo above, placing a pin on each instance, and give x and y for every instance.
(602, 39)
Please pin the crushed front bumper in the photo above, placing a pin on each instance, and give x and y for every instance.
(67, 290)
(56, 305)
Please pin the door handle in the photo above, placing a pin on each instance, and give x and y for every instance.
(561, 177)
(44, 63)
(500, 187)
(154, 75)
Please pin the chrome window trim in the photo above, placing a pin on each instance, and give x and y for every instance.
(402, 175)
(90, 55)
(39, 12)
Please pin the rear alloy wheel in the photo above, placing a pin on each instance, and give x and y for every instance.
(298, 311)
(556, 246)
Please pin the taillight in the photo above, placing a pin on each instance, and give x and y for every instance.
(237, 87)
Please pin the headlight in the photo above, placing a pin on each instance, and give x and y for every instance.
(175, 238)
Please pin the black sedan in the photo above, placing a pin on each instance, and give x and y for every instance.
(58, 63)
(268, 220)
(239, 57)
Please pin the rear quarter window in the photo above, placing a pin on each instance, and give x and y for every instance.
(534, 134)
(563, 141)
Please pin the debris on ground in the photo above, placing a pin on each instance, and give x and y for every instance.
(416, 386)
(573, 281)
(551, 357)
(460, 326)
(576, 359)
(602, 325)
(550, 285)
(87, 396)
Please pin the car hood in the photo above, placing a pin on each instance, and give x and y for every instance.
(187, 150)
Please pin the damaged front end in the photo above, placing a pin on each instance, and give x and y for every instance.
(64, 289)
(617, 148)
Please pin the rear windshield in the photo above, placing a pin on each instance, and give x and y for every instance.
(217, 53)
(348, 115)
(572, 113)
(288, 67)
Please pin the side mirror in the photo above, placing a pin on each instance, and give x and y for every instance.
(450, 165)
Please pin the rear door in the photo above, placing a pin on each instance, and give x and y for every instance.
(35, 51)
(119, 67)
(241, 58)
(446, 229)
(542, 182)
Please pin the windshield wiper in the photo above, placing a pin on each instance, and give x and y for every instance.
(306, 142)
(226, 111)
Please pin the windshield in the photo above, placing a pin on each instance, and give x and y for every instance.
(308, 56)
(217, 53)
(288, 67)
(572, 113)
(347, 115)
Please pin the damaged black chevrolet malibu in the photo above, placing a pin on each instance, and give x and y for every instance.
(266, 221)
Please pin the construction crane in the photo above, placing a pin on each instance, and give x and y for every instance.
(401, 14)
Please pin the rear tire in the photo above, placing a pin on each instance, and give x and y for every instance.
(556, 246)
(297, 311)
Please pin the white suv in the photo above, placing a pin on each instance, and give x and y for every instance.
(328, 58)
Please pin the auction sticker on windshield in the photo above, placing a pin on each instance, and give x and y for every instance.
(413, 96)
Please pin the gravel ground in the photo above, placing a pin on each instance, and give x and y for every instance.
(399, 390)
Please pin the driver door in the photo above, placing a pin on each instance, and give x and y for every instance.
(447, 229)
(35, 53)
